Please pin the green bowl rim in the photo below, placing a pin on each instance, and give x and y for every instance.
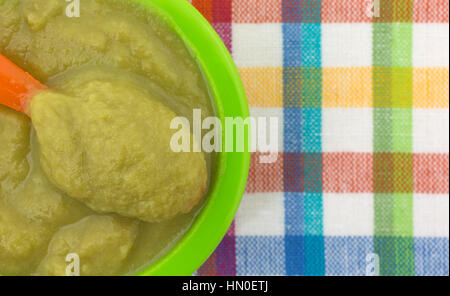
(226, 86)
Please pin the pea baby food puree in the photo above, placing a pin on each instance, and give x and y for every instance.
(118, 74)
(95, 240)
(110, 148)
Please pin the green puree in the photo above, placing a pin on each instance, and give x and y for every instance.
(92, 173)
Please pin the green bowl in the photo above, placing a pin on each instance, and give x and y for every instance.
(232, 168)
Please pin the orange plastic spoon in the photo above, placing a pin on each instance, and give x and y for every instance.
(17, 87)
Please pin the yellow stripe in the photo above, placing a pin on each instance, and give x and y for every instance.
(347, 87)
(263, 86)
(430, 88)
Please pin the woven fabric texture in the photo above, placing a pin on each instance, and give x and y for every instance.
(361, 88)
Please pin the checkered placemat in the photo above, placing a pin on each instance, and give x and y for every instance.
(363, 176)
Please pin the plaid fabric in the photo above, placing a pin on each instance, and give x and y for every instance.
(364, 167)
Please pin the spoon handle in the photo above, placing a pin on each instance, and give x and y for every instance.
(17, 87)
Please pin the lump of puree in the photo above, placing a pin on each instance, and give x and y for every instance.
(22, 242)
(14, 147)
(39, 201)
(101, 242)
(110, 148)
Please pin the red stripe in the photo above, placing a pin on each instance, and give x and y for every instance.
(431, 11)
(257, 11)
(347, 172)
(431, 173)
(345, 11)
(353, 173)
(265, 177)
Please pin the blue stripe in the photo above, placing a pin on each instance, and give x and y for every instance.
(294, 205)
(292, 44)
(304, 242)
(295, 255)
(431, 256)
(259, 255)
(346, 256)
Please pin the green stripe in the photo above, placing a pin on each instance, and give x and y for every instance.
(402, 131)
(393, 163)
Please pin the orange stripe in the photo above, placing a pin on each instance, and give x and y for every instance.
(205, 7)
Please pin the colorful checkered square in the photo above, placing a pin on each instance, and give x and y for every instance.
(363, 167)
